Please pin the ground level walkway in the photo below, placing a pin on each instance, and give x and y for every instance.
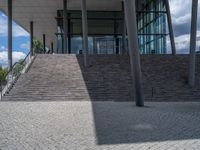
(99, 126)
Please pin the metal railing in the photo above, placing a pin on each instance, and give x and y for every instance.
(12, 75)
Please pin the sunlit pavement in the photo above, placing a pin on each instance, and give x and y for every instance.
(99, 125)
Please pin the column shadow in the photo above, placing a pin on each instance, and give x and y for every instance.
(109, 84)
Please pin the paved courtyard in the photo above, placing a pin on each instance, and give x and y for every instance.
(99, 126)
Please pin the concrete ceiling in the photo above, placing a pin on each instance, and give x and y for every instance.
(43, 13)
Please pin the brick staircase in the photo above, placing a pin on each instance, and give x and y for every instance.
(63, 78)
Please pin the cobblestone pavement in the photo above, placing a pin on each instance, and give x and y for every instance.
(99, 126)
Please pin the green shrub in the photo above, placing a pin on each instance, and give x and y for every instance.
(3, 73)
(18, 67)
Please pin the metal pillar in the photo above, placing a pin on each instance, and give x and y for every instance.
(124, 44)
(117, 45)
(9, 34)
(193, 35)
(116, 38)
(52, 49)
(65, 26)
(44, 43)
(85, 31)
(130, 12)
(62, 37)
(31, 37)
(95, 46)
(69, 36)
(171, 32)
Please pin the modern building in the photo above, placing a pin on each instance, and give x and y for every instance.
(105, 24)
(85, 27)
(106, 27)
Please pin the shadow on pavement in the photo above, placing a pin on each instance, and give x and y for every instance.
(121, 123)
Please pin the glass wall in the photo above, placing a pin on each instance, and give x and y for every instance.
(152, 27)
(105, 29)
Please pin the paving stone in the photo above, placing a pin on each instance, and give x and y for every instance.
(99, 126)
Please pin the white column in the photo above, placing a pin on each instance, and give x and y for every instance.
(192, 63)
(85, 31)
(131, 22)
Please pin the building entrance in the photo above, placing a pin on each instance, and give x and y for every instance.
(104, 45)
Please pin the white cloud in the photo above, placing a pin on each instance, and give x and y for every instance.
(17, 30)
(2, 48)
(3, 26)
(16, 57)
(25, 46)
(183, 43)
(180, 10)
(181, 18)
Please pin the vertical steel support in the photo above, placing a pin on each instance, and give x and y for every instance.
(44, 43)
(31, 38)
(117, 45)
(69, 36)
(85, 32)
(10, 34)
(124, 44)
(95, 46)
(116, 38)
(65, 26)
(130, 12)
(62, 37)
(52, 49)
(192, 63)
(171, 32)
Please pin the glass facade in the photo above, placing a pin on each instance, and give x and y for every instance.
(105, 29)
(151, 20)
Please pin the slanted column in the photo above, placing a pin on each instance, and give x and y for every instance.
(65, 27)
(130, 12)
(31, 38)
(124, 44)
(9, 34)
(44, 43)
(192, 63)
(171, 32)
(85, 32)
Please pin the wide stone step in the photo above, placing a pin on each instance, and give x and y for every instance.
(65, 98)
(63, 77)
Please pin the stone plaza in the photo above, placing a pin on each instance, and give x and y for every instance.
(99, 126)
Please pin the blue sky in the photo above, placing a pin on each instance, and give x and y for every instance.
(20, 41)
(181, 18)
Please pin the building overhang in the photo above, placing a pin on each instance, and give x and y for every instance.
(43, 13)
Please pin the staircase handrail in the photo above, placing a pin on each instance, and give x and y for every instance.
(12, 75)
